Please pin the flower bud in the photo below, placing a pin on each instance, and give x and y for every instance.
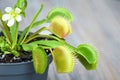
(60, 27)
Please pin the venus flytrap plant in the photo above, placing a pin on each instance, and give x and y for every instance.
(60, 12)
(60, 27)
(36, 44)
(87, 56)
(63, 58)
(27, 30)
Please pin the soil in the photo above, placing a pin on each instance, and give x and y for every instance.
(10, 58)
(24, 56)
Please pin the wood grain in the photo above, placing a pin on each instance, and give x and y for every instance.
(96, 22)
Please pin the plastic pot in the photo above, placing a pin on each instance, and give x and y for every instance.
(22, 71)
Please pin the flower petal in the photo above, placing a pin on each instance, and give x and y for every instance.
(11, 22)
(17, 10)
(18, 18)
(6, 17)
(8, 9)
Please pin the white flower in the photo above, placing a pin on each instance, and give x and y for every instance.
(12, 15)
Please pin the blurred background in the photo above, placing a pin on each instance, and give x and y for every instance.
(96, 22)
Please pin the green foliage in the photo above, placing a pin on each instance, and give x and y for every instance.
(22, 4)
(37, 23)
(87, 55)
(36, 43)
(29, 47)
(5, 47)
(27, 30)
(14, 52)
(0, 14)
(42, 43)
(6, 32)
(14, 29)
(60, 12)
(40, 60)
(63, 59)
(2, 42)
(48, 43)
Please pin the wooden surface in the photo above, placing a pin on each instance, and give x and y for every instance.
(96, 22)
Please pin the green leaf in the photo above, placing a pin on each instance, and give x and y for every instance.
(22, 35)
(14, 34)
(33, 35)
(5, 47)
(7, 52)
(6, 32)
(71, 48)
(0, 14)
(2, 42)
(40, 60)
(27, 30)
(5, 29)
(37, 23)
(63, 59)
(49, 43)
(15, 53)
(87, 55)
(85, 63)
(60, 12)
(29, 47)
(22, 4)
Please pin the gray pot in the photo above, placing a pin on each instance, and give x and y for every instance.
(22, 71)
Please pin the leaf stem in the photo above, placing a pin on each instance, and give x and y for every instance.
(6, 32)
(37, 23)
(26, 29)
(51, 52)
(34, 19)
(14, 34)
(37, 32)
(44, 36)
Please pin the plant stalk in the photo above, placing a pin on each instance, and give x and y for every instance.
(44, 36)
(37, 32)
(34, 19)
